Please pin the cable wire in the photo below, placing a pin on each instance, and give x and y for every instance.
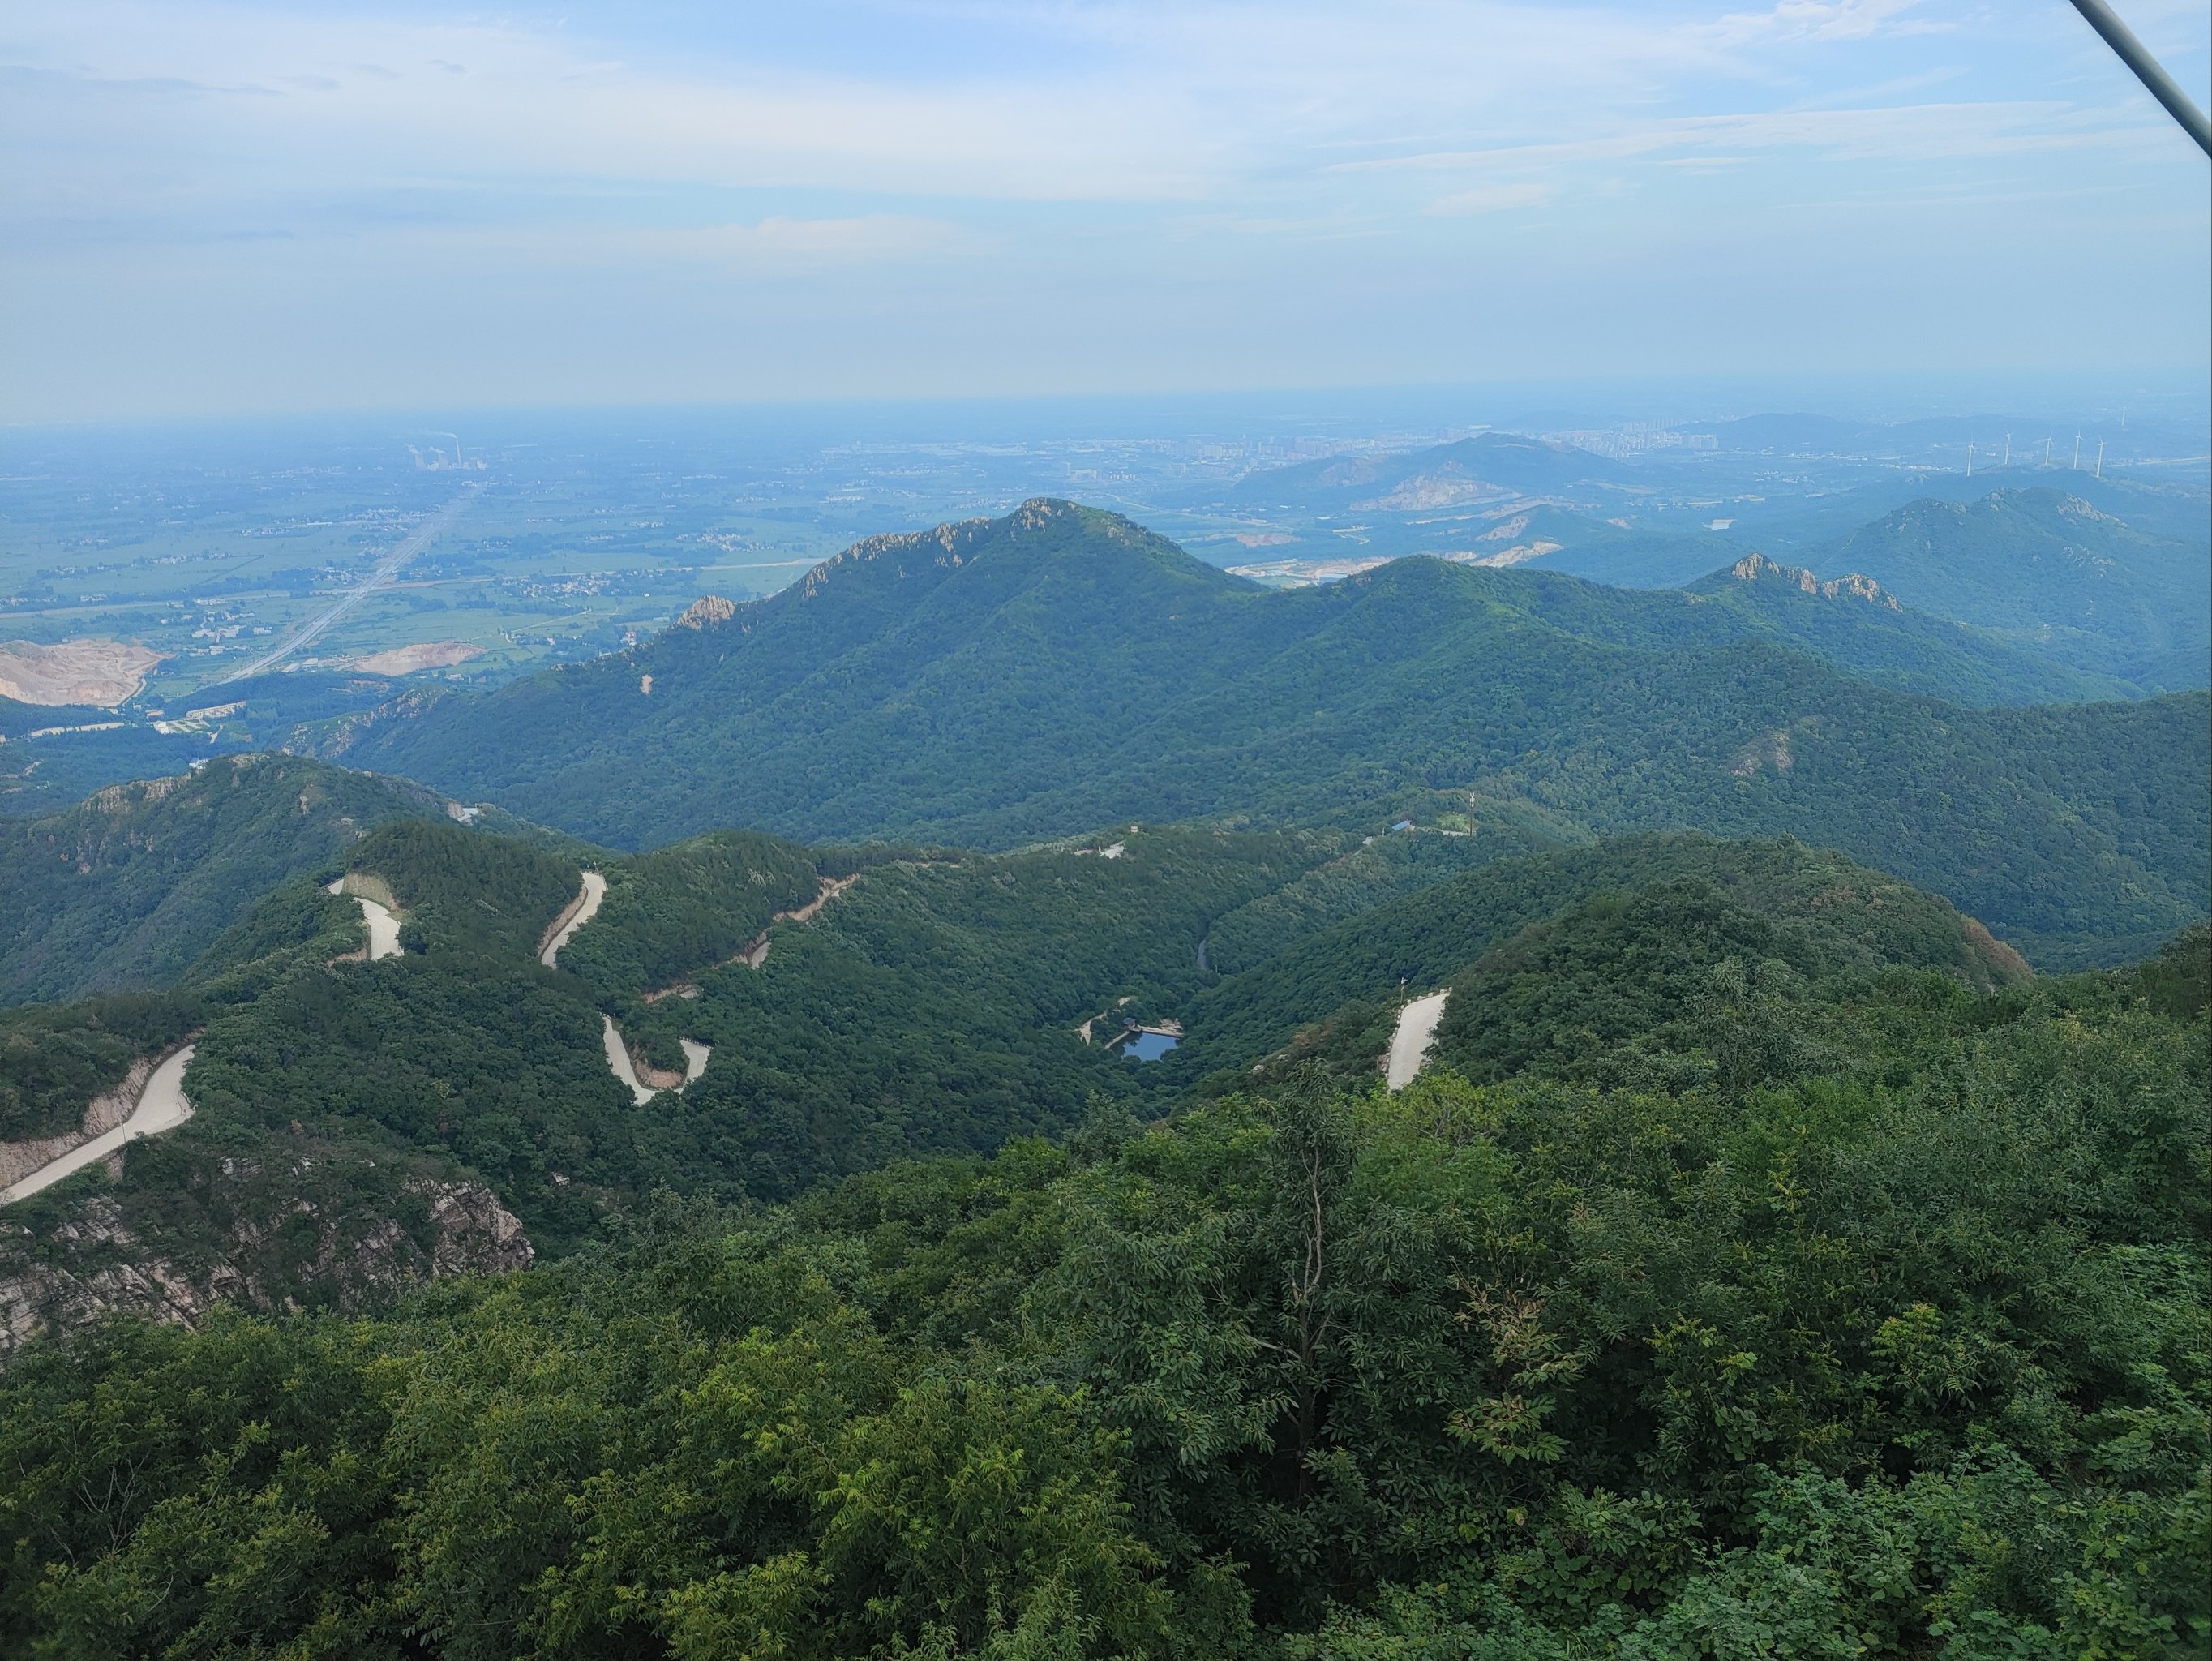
(2147, 69)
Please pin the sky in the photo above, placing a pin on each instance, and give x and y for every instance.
(232, 208)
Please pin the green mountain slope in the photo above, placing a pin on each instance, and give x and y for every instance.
(1015, 679)
(2050, 573)
(1852, 623)
(1845, 913)
(913, 1002)
(2177, 510)
(1599, 549)
(858, 1007)
(1846, 1353)
(130, 886)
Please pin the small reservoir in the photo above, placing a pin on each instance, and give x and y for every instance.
(1148, 1046)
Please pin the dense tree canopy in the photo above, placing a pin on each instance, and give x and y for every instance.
(1009, 680)
(1909, 1358)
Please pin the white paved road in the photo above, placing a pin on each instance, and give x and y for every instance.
(1417, 1031)
(161, 1106)
(583, 910)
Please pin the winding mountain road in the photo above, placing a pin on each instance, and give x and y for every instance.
(161, 1106)
(383, 927)
(582, 910)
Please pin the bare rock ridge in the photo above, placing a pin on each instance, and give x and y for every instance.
(95, 1265)
(1756, 568)
(706, 612)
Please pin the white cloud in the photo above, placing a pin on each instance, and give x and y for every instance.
(1927, 133)
(1138, 172)
(1811, 20)
(1491, 199)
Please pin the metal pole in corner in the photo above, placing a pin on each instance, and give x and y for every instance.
(2147, 69)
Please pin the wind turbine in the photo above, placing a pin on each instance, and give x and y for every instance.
(2078, 453)
(2007, 460)
(2100, 458)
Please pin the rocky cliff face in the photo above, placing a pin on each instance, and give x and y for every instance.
(1755, 568)
(95, 1264)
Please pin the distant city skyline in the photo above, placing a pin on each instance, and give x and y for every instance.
(238, 208)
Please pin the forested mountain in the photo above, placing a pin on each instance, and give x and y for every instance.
(1846, 914)
(895, 1248)
(1009, 680)
(1824, 1305)
(130, 886)
(2176, 510)
(1553, 539)
(2050, 572)
(930, 1002)
(932, 1005)
(1485, 468)
(1855, 625)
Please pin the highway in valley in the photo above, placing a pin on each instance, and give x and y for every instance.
(386, 568)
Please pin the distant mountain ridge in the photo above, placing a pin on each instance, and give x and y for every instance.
(2051, 572)
(1483, 468)
(1855, 622)
(1008, 680)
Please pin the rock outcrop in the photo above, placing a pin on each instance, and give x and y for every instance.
(1755, 568)
(706, 611)
(95, 1265)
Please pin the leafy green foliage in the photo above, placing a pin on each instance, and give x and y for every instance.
(2179, 981)
(1634, 988)
(502, 1073)
(298, 925)
(462, 890)
(1383, 868)
(1860, 629)
(934, 1007)
(683, 909)
(1909, 1357)
(1845, 914)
